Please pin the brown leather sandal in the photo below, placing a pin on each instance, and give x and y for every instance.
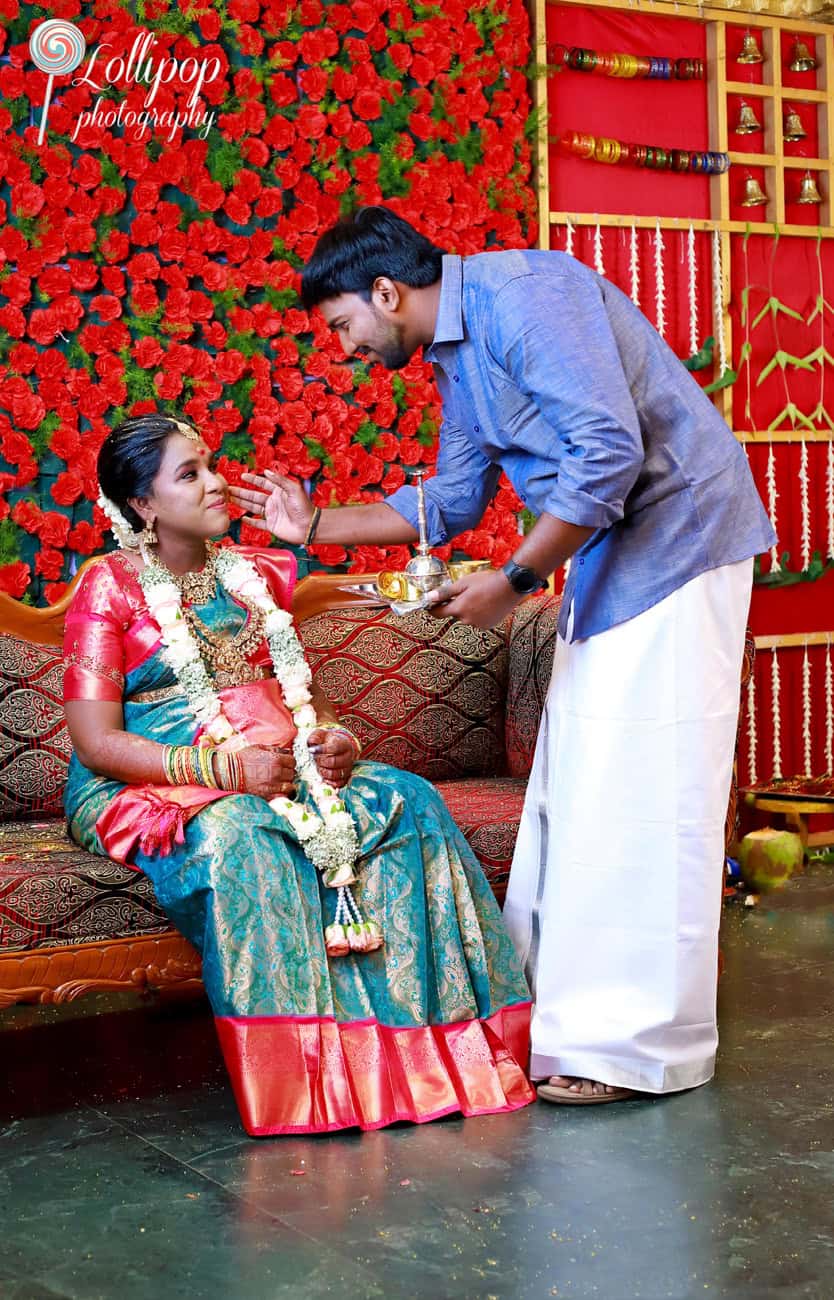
(562, 1096)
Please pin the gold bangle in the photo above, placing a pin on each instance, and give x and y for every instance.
(314, 523)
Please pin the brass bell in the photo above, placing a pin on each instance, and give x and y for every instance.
(802, 60)
(747, 121)
(750, 52)
(808, 192)
(793, 129)
(754, 195)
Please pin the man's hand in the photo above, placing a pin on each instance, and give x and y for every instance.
(480, 599)
(278, 505)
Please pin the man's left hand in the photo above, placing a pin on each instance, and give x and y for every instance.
(480, 599)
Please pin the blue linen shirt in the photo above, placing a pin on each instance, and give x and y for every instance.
(549, 372)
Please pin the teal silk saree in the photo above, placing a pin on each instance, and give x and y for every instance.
(435, 1021)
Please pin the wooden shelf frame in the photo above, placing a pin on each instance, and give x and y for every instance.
(779, 168)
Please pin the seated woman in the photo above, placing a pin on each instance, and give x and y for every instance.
(355, 959)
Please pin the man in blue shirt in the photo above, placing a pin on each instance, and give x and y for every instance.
(549, 373)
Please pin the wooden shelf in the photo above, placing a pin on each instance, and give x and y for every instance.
(726, 217)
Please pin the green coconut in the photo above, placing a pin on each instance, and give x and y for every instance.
(768, 858)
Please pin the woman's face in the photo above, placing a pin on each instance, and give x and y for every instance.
(188, 498)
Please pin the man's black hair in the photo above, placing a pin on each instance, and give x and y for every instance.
(350, 256)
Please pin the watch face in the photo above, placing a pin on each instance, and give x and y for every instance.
(526, 581)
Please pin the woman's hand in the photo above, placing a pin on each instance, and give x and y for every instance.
(267, 772)
(335, 754)
(275, 504)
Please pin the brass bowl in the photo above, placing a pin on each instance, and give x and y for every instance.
(461, 568)
(396, 586)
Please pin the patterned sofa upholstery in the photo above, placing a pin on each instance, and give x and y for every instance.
(458, 706)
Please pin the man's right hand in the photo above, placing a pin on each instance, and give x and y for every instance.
(276, 504)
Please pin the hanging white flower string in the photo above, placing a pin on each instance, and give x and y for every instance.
(776, 713)
(634, 265)
(829, 710)
(752, 737)
(692, 266)
(569, 233)
(718, 303)
(660, 281)
(806, 711)
(772, 496)
(599, 265)
(804, 507)
(829, 497)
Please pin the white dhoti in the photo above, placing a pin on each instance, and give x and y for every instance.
(615, 891)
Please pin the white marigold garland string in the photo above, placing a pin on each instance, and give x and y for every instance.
(806, 712)
(772, 497)
(660, 281)
(718, 303)
(692, 267)
(634, 265)
(599, 265)
(804, 506)
(752, 736)
(776, 714)
(829, 710)
(325, 831)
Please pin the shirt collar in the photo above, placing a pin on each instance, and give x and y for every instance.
(449, 326)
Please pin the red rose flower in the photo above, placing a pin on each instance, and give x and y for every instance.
(67, 488)
(49, 563)
(14, 579)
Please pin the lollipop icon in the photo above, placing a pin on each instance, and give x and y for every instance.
(57, 47)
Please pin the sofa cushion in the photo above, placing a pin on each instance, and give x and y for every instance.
(34, 742)
(421, 693)
(532, 645)
(488, 811)
(53, 893)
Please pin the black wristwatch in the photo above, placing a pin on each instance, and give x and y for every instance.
(523, 580)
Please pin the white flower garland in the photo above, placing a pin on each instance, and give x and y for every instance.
(692, 265)
(806, 712)
(327, 832)
(829, 497)
(829, 711)
(128, 540)
(718, 302)
(660, 281)
(804, 506)
(599, 266)
(752, 737)
(776, 711)
(772, 497)
(569, 233)
(634, 265)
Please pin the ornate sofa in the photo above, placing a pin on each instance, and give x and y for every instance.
(457, 706)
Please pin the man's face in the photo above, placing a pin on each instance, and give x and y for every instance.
(367, 330)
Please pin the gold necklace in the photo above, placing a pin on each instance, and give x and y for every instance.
(195, 588)
(226, 657)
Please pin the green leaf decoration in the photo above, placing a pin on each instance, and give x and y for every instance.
(729, 377)
(782, 359)
(822, 305)
(791, 412)
(775, 307)
(703, 357)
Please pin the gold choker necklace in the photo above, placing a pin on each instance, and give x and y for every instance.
(196, 588)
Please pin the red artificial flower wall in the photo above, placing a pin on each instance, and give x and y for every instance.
(157, 265)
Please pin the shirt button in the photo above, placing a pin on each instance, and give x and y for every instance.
(581, 561)
(456, 379)
(477, 428)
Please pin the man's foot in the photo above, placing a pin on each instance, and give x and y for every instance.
(565, 1090)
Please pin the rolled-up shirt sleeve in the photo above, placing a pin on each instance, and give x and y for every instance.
(457, 495)
(556, 345)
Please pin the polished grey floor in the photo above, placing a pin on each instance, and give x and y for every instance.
(124, 1173)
